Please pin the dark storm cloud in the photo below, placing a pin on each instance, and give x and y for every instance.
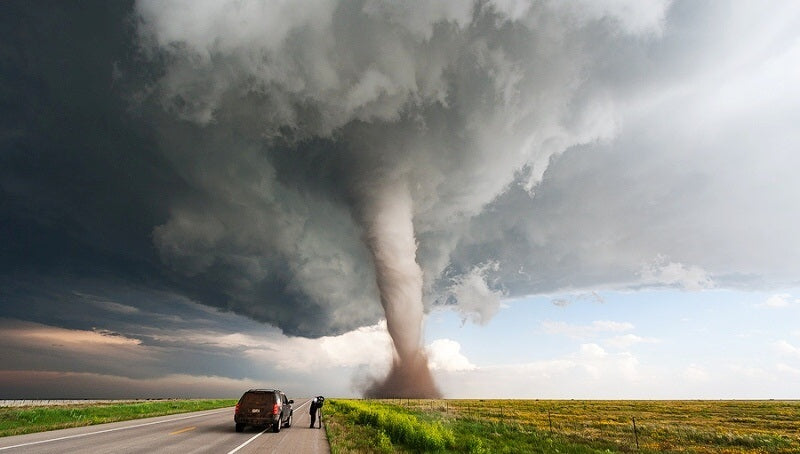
(85, 185)
(81, 182)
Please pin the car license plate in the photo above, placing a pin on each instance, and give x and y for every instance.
(255, 410)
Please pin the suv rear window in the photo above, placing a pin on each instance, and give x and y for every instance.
(260, 399)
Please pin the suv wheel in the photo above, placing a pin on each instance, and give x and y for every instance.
(289, 421)
(277, 426)
(239, 427)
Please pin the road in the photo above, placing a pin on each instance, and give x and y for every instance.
(199, 432)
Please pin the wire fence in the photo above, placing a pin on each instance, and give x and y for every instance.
(732, 426)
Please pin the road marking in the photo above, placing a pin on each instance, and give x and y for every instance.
(186, 429)
(260, 433)
(112, 430)
(248, 441)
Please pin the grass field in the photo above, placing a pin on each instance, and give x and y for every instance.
(563, 426)
(22, 420)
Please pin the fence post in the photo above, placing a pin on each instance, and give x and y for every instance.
(635, 432)
(550, 419)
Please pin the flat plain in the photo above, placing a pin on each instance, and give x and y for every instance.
(693, 426)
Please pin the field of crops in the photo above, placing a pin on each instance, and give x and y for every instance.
(401, 425)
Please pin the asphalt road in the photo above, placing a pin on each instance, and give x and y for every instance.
(200, 432)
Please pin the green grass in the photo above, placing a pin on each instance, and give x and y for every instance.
(23, 420)
(359, 426)
(730, 427)
(394, 425)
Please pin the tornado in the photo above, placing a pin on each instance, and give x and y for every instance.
(387, 217)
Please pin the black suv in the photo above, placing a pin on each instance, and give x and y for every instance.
(263, 407)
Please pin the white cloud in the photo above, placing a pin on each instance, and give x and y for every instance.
(695, 373)
(585, 331)
(606, 325)
(785, 348)
(628, 340)
(780, 300)
(419, 17)
(589, 371)
(367, 346)
(564, 301)
(598, 363)
(475, 299)
(634, 16)
(535, 369)
(591, 351)
(672, 274)
(750, 372)
(781, 367)
(445, 354)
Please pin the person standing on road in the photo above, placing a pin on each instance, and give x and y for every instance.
(314, 408)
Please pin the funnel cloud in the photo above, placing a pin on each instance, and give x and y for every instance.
(387, 215)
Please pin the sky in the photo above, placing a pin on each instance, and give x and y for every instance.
(592, 199)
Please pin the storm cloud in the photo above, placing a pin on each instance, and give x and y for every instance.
(288, 122)
(234, 153)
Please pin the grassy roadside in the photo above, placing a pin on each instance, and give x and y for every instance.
(367, 427)
(700, 427)
(23, 420)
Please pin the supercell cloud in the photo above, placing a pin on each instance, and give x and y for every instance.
(327, 123)
(321, 165)
(300, 125)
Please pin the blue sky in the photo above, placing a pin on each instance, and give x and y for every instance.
(681, 344)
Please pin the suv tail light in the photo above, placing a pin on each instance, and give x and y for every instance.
(236, 410)
(276, 409)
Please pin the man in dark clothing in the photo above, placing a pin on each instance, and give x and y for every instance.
(316, 406)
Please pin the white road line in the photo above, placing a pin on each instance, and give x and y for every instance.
(306, 403)
(247, 442)
(111, 430)
(260, 433)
